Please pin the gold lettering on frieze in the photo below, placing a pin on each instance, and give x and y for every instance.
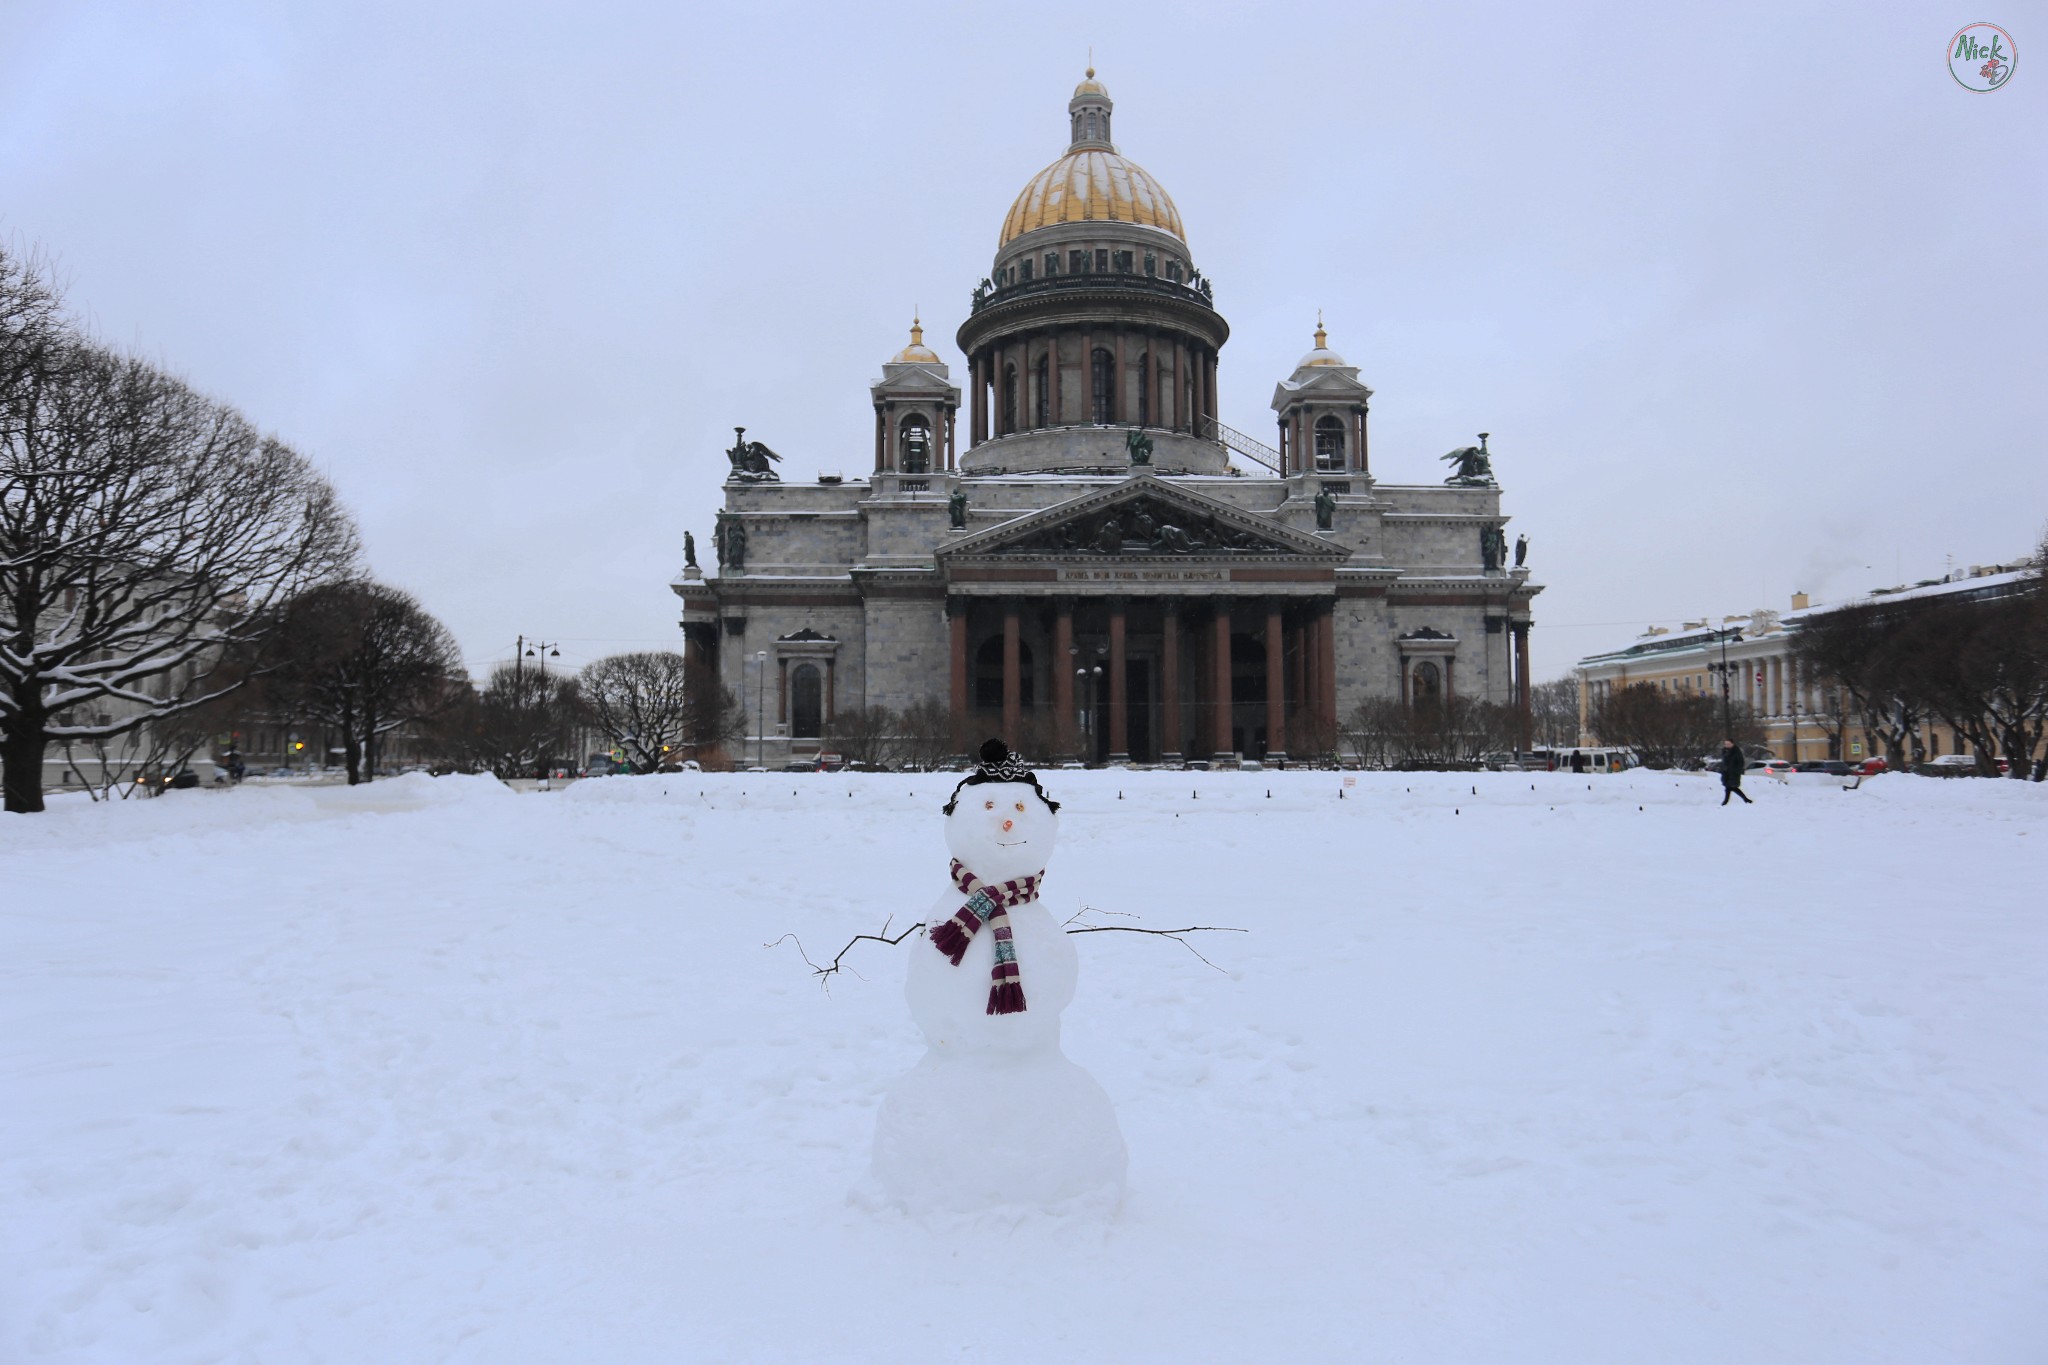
(1135, 575)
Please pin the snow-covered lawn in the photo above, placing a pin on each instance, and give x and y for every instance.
(1566, 1069)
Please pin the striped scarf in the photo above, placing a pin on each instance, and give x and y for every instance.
(989, 905)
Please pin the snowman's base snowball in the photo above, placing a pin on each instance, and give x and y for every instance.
(960, 1134)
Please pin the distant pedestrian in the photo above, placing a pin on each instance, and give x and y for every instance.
(1732, 764)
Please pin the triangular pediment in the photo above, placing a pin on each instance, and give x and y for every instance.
(1142, 518)
(1335, 382)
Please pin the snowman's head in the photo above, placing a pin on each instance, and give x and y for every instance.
(1000, 822)
(1002, 830)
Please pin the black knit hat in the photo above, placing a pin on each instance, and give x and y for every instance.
(998, 764)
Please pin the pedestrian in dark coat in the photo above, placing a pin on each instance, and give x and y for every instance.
(1732, 765)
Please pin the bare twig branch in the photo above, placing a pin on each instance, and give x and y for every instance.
(1174, 934)
(825, 973)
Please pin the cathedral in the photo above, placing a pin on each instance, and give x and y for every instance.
(1081, 557)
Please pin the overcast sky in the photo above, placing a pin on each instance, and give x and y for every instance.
(1750, 298)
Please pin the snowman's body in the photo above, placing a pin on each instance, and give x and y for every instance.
(995, 1114)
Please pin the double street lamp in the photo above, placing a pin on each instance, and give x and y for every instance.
(1089, 676)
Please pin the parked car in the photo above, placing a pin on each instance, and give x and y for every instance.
(1872, 766)
(1834, 767)
(1951, 765)
(1775, 767)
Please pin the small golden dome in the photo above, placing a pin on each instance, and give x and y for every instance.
(1322, 354)
(1091, 186)
(916, 353)
(1090, 86)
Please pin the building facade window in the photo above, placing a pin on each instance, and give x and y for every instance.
(1009, 399)
(1429, 685)
(1144, 390)
(1042, 402)
(1102, 386)
(806, 702)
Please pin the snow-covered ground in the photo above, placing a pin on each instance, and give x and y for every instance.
(1557, 1069)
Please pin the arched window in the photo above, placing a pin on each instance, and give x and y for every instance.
(1009, 400)
(1042, 408)
(915, 447)
(988, 673)
(1329, 444)
(806, 702)
(1102, 375)
(1144, 391)
(1428, 688)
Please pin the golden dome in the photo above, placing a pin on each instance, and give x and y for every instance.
(1090, 86)
(1091, 186)
(916, 353)
(1322, 354)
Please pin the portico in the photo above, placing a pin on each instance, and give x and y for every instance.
(1143, 623)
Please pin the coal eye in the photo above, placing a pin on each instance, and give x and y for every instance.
(988, 805)
(1020, 805)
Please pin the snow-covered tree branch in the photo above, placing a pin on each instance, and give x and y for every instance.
(145, 529)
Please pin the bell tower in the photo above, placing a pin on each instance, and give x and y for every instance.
(1322, 408)
(916, 403)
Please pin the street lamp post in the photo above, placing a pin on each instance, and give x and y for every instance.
(1091, 677)
(761, 710)
(522, 650)
(1721, 670)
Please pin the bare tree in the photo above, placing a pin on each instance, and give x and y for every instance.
(1866, 651)
(144, 531)
(642, 703)
(362, 659)
(926, 727)
(867, 736)
(521, 723)
(1554, 713)
(1669, 729)
(717, 719)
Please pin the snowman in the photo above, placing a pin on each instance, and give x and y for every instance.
(995, 1114)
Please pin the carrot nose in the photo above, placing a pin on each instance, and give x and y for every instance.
(1007, 824)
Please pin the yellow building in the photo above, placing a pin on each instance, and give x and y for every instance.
(1803, 717)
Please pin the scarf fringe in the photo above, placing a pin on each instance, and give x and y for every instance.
(950, 939)
(1006, 997)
